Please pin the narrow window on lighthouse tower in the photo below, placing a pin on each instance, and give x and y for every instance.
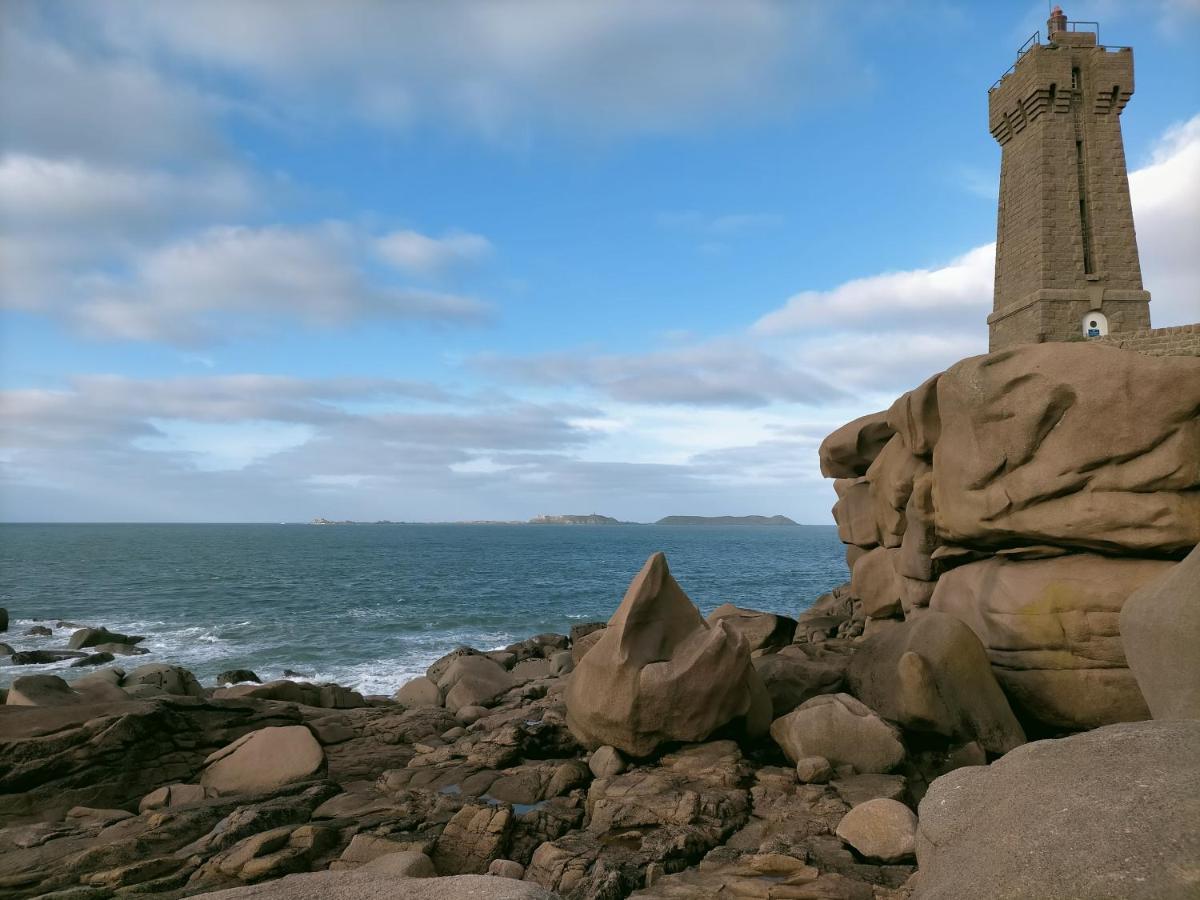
(1084, 225)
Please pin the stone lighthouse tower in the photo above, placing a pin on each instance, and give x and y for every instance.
(1066, 253)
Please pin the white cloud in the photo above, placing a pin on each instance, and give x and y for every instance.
(959, 292)
(114, 250)
(70, 100)
(1166, 209)
(228, 280)
(424, 255)
(717, 373)
(49, 194)
(498, 68)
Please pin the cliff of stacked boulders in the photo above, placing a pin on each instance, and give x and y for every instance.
(1027, 494)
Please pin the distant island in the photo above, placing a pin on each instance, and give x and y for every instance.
(320, 521)
(725, 520)
(589, 519)
(592, 519)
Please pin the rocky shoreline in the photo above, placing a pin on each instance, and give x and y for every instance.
(1003, 702)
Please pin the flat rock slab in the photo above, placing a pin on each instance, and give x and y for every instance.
(1108, 814)
(364, 886)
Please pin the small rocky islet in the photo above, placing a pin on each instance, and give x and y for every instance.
(1002, 702)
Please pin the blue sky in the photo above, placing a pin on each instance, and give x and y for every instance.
(267, 261)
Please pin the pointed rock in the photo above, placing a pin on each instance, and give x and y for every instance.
(660, 673)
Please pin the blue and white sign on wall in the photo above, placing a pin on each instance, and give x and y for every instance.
(1095, 324)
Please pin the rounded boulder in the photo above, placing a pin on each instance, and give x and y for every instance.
(841, 729)
(263, 760)
(882, 830)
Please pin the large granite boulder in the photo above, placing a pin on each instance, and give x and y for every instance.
(876, 584)
(932, 674)
(761, 630)
(1076, 445)
(1050, 628)
(1160, 631)
(841, 729)
(849, 451)
(262, 760)
(439, 666)
(660, 673)
(418, 692)
(473, 681)
(1108, 814)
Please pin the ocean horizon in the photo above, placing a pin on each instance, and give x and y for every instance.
(370, 607)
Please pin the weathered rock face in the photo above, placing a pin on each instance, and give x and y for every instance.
(841, 729)
(932, 674)
(1050, 627)
(1074, 445)
(660, 673)
(1108, 815)
(262, 760)
(1160, 631)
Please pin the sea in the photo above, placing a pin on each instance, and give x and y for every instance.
(370, 606)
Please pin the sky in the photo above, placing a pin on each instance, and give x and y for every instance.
(267, 261)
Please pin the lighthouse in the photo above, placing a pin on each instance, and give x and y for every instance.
(1067, 263)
